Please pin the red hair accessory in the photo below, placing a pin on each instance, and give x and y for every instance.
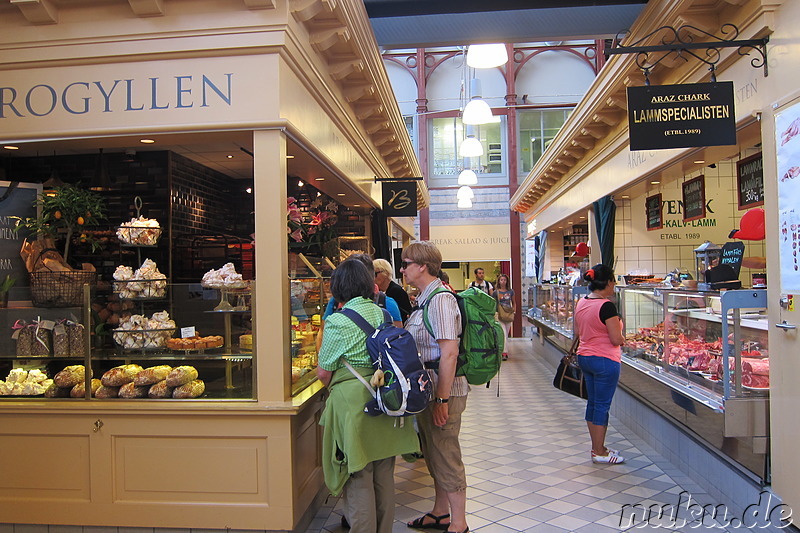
(590, 274)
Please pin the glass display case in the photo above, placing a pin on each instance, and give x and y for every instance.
(702, 358)
(175, 346)
(309, 285)
(681, 332)
(552, 308)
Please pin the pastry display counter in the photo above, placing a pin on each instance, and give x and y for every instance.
(702, 359)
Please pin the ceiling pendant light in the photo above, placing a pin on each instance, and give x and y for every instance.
(465, 192)
(470, 147)
(477, 111)
(486, 55)
(465, 203)
(467, 177)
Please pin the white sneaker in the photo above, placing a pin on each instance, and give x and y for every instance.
(612, 458)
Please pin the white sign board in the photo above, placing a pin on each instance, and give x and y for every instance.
(787, 141)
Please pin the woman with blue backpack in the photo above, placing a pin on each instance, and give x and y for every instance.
(358, 450)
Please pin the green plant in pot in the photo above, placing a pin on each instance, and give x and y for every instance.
(5, 286)
(65, 211)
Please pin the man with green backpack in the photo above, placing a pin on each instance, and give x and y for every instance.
(438, 327)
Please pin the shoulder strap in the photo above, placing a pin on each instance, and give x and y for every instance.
(359, 376)
(359, 320)
(380, 299)
(425, 320)
(362, 323)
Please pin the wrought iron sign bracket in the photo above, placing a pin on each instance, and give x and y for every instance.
(378, 180)
(680, 42)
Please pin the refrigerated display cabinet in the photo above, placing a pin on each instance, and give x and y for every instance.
(702, 359)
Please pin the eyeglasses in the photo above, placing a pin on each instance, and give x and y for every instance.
(378, 272)
(404, 264)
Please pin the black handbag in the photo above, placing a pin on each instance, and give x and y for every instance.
(569, 376)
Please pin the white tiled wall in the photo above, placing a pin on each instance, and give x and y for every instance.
(645, 252)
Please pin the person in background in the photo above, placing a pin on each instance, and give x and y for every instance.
(600, 328)
(505, 298)
(445, 280)
(481, 283)
(358, 450)
(380, 298)
(383, 278)
(440, 423)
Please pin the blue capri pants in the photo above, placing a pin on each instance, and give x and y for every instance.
(601, 375)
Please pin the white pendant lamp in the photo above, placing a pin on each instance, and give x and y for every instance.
(470, 147)
(486, 55)
(467, 177)
(466, 203)
(465, 192)
(477, 111)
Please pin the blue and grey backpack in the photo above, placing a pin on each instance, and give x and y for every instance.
(407, 388)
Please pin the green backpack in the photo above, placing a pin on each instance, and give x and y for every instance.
(480, 347)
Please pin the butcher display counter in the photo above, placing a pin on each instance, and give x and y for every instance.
(702, 359)
(551, 311)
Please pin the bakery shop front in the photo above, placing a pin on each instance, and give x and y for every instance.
(175, 387)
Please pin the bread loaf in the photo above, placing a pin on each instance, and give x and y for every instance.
(181, 375)
(160, 390)
(129, 390)
(193, 389)
(54, 391)
(79, 390)
(70, 376)
(152, 375)
(120, 375)
(106, 392)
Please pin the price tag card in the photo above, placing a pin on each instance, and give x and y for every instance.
(188, 332)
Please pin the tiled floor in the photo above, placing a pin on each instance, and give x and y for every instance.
(528, 467)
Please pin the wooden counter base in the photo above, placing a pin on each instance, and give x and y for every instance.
(236, 468)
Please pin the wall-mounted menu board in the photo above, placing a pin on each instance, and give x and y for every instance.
(654, 210)
(750, 181)
(16, 200)
(694, 198)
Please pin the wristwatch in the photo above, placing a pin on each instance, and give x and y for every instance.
(442, 400)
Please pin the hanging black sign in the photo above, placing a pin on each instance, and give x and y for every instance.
(681, 116)
(400, 198)
(732, 254)
(654, 212)
(16, 200)
(694, 198)
(750, 181)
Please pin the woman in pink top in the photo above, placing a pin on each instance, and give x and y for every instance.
(599, 326)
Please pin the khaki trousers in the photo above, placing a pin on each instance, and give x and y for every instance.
(369, 498)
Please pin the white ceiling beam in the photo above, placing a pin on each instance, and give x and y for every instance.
(260, 4)
(37, 11)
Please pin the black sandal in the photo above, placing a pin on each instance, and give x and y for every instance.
(419, 523)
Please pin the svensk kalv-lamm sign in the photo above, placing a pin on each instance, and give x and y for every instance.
(681, 116)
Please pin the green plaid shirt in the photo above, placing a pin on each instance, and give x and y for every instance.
(343, 338)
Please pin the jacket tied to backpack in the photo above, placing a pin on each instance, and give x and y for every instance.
(350, 439)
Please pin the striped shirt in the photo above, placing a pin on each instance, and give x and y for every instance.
(343, 338)
(445, 319)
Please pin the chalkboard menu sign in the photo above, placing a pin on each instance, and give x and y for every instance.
(654, 212)
(694, 198)
(750, 181)
(16, 199)
(732, 254)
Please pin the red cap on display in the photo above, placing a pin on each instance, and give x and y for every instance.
(582, 249)
(752, 226)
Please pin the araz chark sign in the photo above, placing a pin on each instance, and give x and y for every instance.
(681, 116)
(80, 97)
